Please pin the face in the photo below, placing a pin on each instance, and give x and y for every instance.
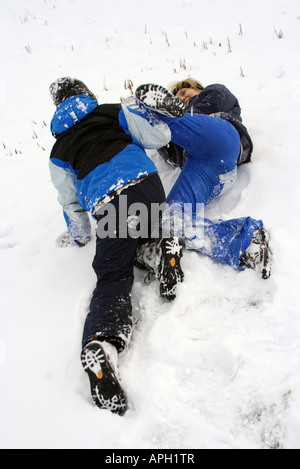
(185, 94)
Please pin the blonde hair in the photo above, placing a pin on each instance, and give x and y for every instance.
(175, 86)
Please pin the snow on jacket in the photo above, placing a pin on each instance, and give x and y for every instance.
(99, 151)
(218, 101)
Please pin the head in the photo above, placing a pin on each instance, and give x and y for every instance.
(64, 88)
(186, 89)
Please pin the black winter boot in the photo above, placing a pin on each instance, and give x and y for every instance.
(258, 255)
(162, 261)
(170, 271)
(98, 359)
(158, 99)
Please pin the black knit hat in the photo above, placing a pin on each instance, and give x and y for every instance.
(64, 88)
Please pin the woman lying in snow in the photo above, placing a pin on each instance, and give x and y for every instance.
(212, 145)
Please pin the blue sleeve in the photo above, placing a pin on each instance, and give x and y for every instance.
(76, 217)
(144, 126)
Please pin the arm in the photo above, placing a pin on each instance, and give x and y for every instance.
(77, 219)
(215, 98)
(143, 125)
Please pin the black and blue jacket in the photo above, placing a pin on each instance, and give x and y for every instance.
(99, 151)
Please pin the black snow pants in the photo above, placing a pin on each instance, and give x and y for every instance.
(110, 315)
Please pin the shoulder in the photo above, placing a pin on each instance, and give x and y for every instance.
(70, 112)
(221, 94)
(215, 86)
(107, 110)
(209, 96)
(216, 89)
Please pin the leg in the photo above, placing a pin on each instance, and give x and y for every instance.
(226, 241)
(213, 147)
(205, 176)
(110, 309)
(200, 183)
(110, 312)
(108, 325)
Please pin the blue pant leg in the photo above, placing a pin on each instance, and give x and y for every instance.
(213, 147)
(206, 137)
(223, 241)
(226, 241)
(196, 184)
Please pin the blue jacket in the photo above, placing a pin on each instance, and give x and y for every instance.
(213, 99)
(99, 151)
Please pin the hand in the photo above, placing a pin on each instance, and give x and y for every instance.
(65, 240)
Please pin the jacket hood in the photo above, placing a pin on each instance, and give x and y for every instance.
(70, 112)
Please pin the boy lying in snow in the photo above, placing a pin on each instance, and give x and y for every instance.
(97, 163)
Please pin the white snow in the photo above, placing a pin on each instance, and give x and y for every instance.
(219, 368)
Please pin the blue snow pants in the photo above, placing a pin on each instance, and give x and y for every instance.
(213, 147)
(110, 315)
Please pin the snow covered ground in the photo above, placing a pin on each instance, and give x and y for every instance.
(219, 368)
